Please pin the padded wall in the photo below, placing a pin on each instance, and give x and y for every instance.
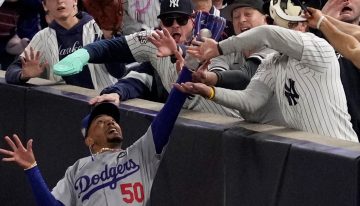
(204, 164)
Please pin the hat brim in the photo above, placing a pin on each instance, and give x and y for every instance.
(226, 12)
(105, 108)
(282, 15)
(173, 12)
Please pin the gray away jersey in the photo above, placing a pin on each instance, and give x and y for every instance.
(112, 178)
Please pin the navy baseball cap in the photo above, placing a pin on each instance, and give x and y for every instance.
(255, 4)
(106, 108)
(169, 7)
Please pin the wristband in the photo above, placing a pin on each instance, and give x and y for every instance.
(219, 49)
(319, 22)
(212, 93)
(31, 166)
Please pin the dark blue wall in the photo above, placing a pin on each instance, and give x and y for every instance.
(205, 164)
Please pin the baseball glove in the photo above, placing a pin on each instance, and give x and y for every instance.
(211, 24)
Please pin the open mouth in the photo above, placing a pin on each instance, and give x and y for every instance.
(176, 37)
(346, 10)
(244, 29)
(112, 131)
(61, 8)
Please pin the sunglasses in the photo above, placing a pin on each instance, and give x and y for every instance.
(169, 21)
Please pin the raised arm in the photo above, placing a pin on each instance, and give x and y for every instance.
(26, 66)
(347, 45)
(333, 9)
(164, 122)
(24, 157)
(350, 29)
(277, 38)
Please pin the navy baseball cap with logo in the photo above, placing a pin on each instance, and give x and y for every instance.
(106, 108)
(255, 4)
(169, 7)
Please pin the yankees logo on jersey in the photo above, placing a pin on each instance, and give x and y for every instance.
(291, 93)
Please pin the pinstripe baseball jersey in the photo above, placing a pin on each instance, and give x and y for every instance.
(112, 178)
(304, 76)
(46, 42)
(267, 114)
(143, 51)
(145, 12)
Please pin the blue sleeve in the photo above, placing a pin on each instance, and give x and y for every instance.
(164, 122)
(13, 73)
(116, 69)
(110, 50)
(41, 192)
(130, 88)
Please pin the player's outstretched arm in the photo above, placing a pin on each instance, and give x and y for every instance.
(164, 122)
(24, 157)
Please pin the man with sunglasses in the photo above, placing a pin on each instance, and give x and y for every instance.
(176, 18)
(234, 71)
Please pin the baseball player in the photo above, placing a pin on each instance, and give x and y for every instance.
(174, 17)
(67, 33)
(110, 175)
(304, 76)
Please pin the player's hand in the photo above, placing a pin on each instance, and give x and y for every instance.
(202, 73)
(204, 50)
(112, 97)
(312, 17)
(164, 42)
(24, 157)
(31, 64)
(333, 8)
(194, 88)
